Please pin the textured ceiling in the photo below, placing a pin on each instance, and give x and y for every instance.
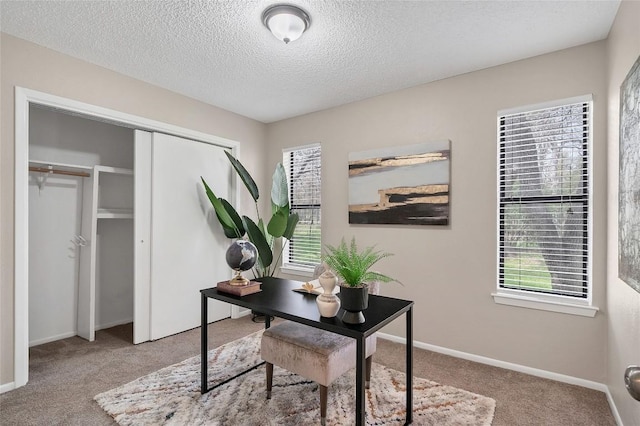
(220, 53)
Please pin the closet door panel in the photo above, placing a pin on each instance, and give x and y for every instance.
(188, 248)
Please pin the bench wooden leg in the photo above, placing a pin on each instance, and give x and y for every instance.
(323, 404)
(367, 377)
(269, 378)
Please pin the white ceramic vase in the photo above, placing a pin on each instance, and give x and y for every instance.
(328, 303)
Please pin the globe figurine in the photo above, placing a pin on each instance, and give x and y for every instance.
(241, 256)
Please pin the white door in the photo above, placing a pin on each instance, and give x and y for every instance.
(187, 245)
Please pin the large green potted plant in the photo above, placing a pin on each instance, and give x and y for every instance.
(281, 224)
(353, 268)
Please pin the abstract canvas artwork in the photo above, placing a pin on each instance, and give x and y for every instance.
(629, 189)
(407, 185)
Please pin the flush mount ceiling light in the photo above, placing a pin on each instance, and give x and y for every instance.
(286, 22)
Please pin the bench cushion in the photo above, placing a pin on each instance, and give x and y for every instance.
(314, 354)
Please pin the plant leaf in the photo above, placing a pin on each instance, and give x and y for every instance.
(278, 224)
(376, 276)
(268, 237)
(292, 222)
(258, 239)
(229, 232)
(352, 265)
(226, 221)
(234, 216)
(275, 209)
(279, 187)
(245, 176)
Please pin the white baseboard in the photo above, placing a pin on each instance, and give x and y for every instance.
(75, 333)
(514, 367)
(7, 387)
(614, 409)
(113, 324)
(52, 338)
(503, 364)
(236, 312)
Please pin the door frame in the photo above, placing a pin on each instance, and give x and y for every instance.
(23, 99)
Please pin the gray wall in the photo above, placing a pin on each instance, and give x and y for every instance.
(450, 272)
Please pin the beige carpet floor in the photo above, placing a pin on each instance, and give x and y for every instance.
(67, 374)
(171, 396)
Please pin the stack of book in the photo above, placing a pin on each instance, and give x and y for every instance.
(239, 290)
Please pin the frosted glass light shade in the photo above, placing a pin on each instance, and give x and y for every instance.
(286, 23)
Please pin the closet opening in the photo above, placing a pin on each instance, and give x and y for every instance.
(81, 246)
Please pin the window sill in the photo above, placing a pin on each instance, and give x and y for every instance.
(544, 305)
(296, 270)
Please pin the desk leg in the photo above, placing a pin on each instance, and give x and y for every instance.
(267, 321)
(204, 343)
(409, 366)
(360, 375)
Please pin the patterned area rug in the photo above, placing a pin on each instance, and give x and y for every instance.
(172, 396)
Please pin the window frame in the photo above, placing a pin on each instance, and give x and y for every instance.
(528, 298)
(287, 266)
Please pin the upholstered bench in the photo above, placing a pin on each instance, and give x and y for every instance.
(314, 354)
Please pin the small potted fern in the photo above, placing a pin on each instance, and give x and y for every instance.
(352, 267)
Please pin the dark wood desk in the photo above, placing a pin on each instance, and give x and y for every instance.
(277, 299)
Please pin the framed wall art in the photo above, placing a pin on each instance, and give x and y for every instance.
(405, 185)
(629, 180)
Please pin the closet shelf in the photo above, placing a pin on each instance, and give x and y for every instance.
(113, 213)
(56, 164)
(115, 170)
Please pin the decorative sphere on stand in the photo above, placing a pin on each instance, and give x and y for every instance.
(241, 256)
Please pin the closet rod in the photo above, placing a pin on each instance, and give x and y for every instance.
(58, 172)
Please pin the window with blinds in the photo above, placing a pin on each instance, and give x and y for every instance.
(544, 206)
(303, 168)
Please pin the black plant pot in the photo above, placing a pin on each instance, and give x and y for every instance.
(354, 300)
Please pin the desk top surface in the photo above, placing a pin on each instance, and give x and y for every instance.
(278, 299)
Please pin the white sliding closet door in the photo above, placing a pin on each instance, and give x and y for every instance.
(187, 245)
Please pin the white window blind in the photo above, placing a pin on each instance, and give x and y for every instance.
(544, 207)
(303, 168)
